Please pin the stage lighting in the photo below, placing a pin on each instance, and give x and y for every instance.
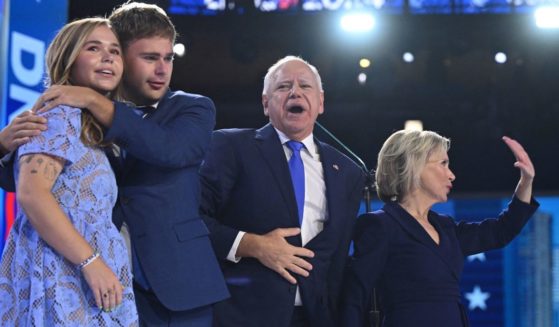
(408, 57)
(179, 49)
(413, 125)
(364, 63)
(362, 78)
(357, 22)
(547, 17)
(500, 57)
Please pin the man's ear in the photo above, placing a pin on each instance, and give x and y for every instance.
(321, 108)
(265, 101)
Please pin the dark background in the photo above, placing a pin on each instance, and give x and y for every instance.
(454, 85)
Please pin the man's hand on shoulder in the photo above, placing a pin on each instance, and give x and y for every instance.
(56, 95)
(79, 97)
(20, 130)
(274, 252)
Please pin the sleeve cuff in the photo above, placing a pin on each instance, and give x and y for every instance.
(6, 159)
(534, 204)
(231, 256)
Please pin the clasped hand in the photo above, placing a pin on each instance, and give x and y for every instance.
(274, 252)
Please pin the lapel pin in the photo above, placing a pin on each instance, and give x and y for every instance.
(335, 167)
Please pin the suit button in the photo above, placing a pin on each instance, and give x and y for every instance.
(292, 288)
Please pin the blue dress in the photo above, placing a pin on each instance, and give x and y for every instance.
(39, 287)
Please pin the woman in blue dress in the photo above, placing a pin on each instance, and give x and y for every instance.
(65, 263)
(412, 255)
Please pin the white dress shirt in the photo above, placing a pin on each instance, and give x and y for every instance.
(315, 212)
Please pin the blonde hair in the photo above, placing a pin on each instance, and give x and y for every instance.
(272, 72)
(61, 56)
(401, 160)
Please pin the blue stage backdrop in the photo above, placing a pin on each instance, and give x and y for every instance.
(27, 28)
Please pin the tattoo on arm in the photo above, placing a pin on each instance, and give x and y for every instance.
(39, 162)
(50, 171)
(29, 158)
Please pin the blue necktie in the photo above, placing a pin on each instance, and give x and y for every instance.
(297, 176)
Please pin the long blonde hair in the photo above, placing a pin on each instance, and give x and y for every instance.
(61, 56)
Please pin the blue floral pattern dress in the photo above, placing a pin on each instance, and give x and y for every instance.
(39, 287)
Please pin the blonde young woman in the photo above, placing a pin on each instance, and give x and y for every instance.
(414, 256)
(64, 263)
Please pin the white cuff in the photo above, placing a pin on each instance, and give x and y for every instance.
(231, 256)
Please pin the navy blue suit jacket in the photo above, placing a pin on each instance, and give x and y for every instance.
(159, 192)
(246, 186)
(418, 280)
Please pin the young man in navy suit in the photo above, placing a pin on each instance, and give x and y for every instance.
(282, 234)
(176, 275)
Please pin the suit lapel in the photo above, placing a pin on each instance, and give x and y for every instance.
(161, 111)
(333, 179)
(410, 225)
(416, 231)
(271, 150)
(335, 198)
(156, 116)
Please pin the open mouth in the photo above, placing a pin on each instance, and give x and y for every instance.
(106, 72)
(295, 109)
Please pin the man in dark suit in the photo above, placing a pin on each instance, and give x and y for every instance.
(176, 275)
(282, 233)
(19, 131)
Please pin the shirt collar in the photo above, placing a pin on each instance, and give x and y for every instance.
(307, 141)
(132, 104)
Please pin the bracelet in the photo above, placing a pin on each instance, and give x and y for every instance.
(89, 260)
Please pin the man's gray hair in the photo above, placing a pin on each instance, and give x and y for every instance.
(272, 72)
